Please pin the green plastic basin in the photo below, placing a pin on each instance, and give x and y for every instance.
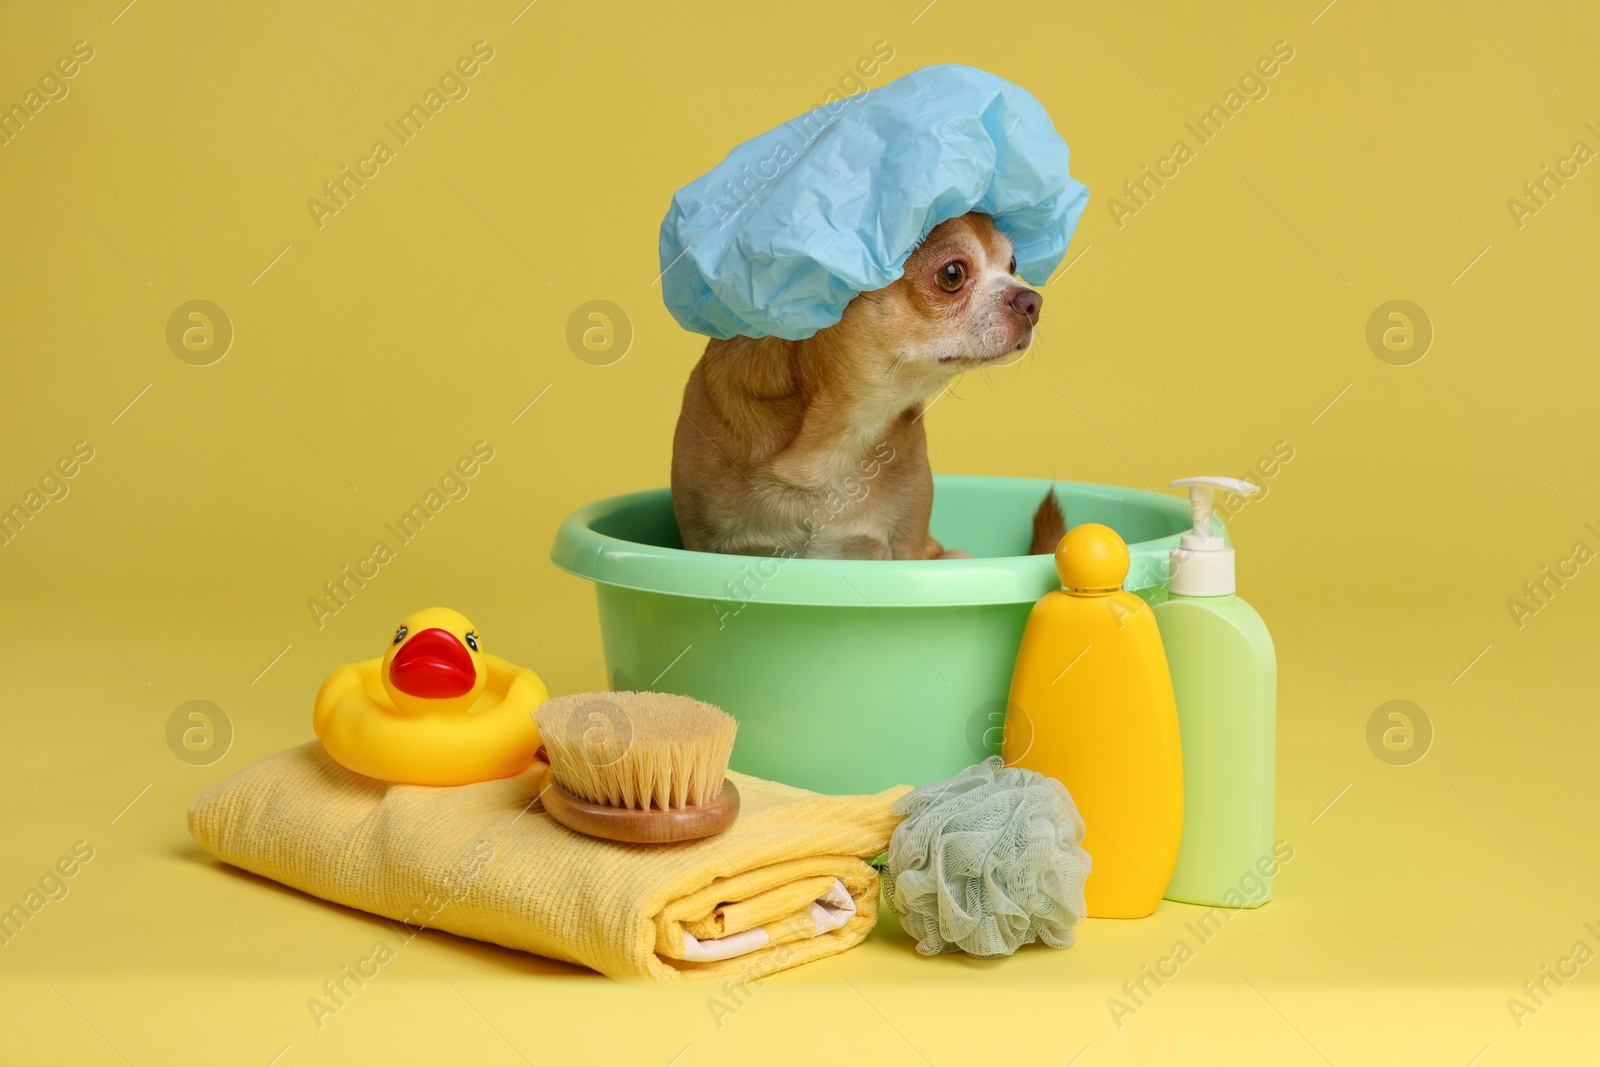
(846, 676)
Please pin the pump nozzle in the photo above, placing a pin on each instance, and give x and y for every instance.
(1202, 564)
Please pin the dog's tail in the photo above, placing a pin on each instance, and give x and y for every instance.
(1049, 526)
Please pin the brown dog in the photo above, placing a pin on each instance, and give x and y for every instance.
(815, 448)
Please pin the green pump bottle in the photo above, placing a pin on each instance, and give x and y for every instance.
(1225, 679)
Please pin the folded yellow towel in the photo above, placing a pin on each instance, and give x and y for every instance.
(788, 883)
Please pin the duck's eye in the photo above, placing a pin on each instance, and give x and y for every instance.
(400, 635)
(951, 276)
(472, 642)
(1013, 268)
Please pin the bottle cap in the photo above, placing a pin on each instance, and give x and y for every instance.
(1202, 563)
(1092, 560)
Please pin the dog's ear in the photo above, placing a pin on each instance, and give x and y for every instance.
(758, 367)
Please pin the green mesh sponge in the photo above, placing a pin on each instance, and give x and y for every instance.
(987, 862)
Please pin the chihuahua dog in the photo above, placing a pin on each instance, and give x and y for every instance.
(816, 448)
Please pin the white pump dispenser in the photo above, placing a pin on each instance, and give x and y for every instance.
(1202, 564)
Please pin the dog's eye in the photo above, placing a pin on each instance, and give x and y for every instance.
(951, 276)
(1013, 268)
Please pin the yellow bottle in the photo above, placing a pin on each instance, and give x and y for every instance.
(1092, 706)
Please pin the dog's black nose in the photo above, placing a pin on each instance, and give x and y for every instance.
(1026, 302)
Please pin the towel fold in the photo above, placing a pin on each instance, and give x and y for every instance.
(787, 884)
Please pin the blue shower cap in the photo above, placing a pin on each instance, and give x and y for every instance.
(777, 238)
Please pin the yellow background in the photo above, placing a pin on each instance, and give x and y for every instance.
(1224, 317)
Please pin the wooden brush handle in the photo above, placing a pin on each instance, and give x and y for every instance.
(642, 827)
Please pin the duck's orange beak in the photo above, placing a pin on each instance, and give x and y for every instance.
(433, 664)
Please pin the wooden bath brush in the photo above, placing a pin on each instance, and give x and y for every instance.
(644, 768)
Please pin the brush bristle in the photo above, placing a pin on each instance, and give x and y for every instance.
(637, 751)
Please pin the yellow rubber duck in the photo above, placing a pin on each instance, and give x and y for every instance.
(435, 710)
